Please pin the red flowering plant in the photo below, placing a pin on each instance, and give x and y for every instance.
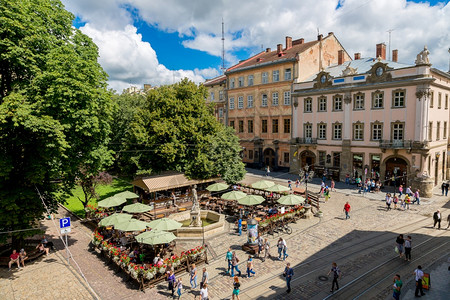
(97, 238)
(124, 260)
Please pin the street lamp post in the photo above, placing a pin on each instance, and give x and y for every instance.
(395, 180)
(306, 181)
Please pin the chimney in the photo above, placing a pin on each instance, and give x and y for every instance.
(301, 41)
(319, 37)
(340, 57)
(288, 42)
(381, 51)
(395, 55)
(330, 33)
(279, 48)
(357, 56)
(267, 50)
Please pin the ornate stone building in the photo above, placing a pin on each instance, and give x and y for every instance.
(217, 95)
(372, 114)
(259, 96)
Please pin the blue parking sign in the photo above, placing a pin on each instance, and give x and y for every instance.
(65, 222)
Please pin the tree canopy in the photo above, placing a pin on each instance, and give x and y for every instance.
(55, 109)
(176, 130)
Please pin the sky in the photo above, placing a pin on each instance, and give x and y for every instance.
(162, 41)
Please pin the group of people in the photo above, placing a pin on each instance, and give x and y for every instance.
(20, 257)
(402, 203)
(418, 276)
(176, 284)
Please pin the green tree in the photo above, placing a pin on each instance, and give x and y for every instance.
(55, 110)
(176, 130)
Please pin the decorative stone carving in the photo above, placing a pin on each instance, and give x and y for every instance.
(196, 220)
(382, 76)
(422, 57)
(323, 80)
(349, 71)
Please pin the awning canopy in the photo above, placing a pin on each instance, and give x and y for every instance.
(168, 181)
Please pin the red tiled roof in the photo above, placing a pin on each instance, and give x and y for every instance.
(272, 56)
(215, 80)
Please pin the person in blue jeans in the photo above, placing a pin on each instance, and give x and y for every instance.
(250, 267)
(193, 277)
(234, 263)
(229, 256)
(288, 273)
(240, 226)
(282, 248)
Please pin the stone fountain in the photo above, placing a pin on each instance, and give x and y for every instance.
(196, 220)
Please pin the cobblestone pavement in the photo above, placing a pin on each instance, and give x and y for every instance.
(310, 237)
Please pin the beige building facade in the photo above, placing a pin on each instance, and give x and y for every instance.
(217, 95)
(375, 118)
(259, 102)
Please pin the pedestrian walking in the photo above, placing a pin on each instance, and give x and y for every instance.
(204, 292)
(267, 171)
(437, 219)
(171, 280)
(408, 191)
(240, 226)
(400, 242)
(443, 188)
(290, 185)
(179, 287)
(205, 278)
(280, 247)
(250, 266)
(347, 209)
(234, 263)
(327, 194)
(266, 249)
(288, 273)
(297, 183)
(322, 188)
(347, 179)
(407, 201)
(236, 288)
(448, 220)
(228, 258)
(193, 278)
(333, 184)
(447, 185)
(283, 249)
(395, 201)
(260, 242)
(408, 242)
(397, 287)
(416, 197)
(336, 276)
(400, 190)
(419, 277)
(388, 201)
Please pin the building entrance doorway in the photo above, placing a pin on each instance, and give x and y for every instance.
(401, 166)
(269, 158)
(307, 158)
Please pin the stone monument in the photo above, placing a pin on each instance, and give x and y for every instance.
(196, 220)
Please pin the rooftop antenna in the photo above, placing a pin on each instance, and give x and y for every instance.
(390, 31)
(223, 48)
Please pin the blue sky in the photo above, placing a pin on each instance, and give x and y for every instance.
(161, 41)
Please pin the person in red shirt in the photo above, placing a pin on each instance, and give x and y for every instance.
(14, 259)
(347, 210)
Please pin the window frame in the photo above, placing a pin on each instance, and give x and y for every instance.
(264, 125)
(372, 130)
(249, 103)
(360, 129)
(439, 106)
(322, 131)
(307, 102)
(273, 99)
(322, 104)
(240, 81)
(430, 131)
(333, 136)
(231, 83)
(286, 155)
(287, 99)
(374, 99)
(360, 97)
(275, 75)
(334, 156)
(438, 130)
(307, 127)
(445, 130)
(288, 72)
(240, 102)
(250, 126)
(231, 103)
(250, 79)
(394, 98)
(287, 125)
(432, 99)
(393, 129)
(264, 97)
(240, 126)
(220, 112)
(264, 77)
(232, 124)
(275, 125)
(335, 97)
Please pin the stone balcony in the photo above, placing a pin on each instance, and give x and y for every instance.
(402, 144)
(304, 141)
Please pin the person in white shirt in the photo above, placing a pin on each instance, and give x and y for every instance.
(419, 276)
(204, 292)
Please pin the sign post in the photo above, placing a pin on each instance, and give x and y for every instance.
(64, 224)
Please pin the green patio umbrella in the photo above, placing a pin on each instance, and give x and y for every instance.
(114, 219)
(217, 187)
(127, 195)
(137, 208)
(131, 225)
(164, 224)
(155, 237)
(111, 202)
(233, 195)
(251, 200)
(277, 188)
(262, 184)
(291, 200)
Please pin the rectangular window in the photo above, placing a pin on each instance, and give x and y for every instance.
(337, 159)
(249, 101)
(398, 99)
(241, 81)
(308, 131)
(220, 112)
(322, 158)
(377, 131)
(232, 124)
(432, 99)
(357, 161)
(287, 125)
(250, 154)
(275, 76)
(232, 103)
(241, 126)
(446, 101)
(264, 100)
(250, 80)
(308, 105)
(274, 99)
(377, 101)
(287, 74)
(287, 98)
(240, 102)
(212, 96)
(438, 131)
(359, 102)
(397, 131)
(439, 100)
(264, 77)
(358, 131)
(275, 125)
(445, 130)
(231, 83)
(264, 126)
(286, 157)
(250, 126)
(220, 95)
(322, 104)
(337, 131)
(430, 131)
(337, 103)
(322, 131)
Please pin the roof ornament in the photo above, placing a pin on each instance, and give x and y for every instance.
(349, 71)
(422, 57)
(379, 58)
